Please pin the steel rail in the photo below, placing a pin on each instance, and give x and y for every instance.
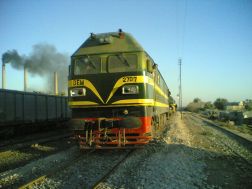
(215, 126)
(96, 185)
(220, 128)
(52, 172)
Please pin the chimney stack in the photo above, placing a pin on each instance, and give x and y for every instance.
(56, 83)
(25, 79)
(3, 76)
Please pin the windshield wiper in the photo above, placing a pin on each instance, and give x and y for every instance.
(91, 62)
(123, 59)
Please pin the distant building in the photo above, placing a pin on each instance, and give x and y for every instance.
(247, 117)
(235, 106)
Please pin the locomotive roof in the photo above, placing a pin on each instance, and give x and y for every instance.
(109, 43)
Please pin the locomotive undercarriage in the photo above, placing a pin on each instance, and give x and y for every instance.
(121, 127)
(104, 133)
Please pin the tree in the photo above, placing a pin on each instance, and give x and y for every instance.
(248, 105)
(220, 103)
(195, 106)
(196, 100)
(208, 105)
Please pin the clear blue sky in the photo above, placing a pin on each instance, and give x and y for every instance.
(214, 38)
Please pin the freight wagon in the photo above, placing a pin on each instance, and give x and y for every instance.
(19, 109)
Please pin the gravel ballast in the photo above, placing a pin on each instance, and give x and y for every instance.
(187, 154)
(168, 162)
(21, 175)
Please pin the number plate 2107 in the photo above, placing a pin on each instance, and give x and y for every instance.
(130, 79)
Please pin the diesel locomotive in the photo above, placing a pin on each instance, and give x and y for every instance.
(117, 95)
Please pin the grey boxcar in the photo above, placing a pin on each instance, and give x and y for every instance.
(17, 107)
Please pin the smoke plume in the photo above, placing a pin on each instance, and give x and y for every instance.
(44, 60)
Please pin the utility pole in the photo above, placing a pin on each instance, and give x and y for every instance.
(180, 87)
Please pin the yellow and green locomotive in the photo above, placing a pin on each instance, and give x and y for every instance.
(117, 95)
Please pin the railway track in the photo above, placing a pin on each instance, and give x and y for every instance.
(211, 123)
(220, 128)
(35, 182)
(110, 172)
(225, 143)
(39, 180)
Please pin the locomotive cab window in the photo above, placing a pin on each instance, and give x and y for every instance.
(122, 63)
(87, 65)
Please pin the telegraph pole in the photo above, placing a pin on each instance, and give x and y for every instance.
(180, 87)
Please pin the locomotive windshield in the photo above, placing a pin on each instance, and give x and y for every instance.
(115, 63)
(87, 65)
(122, 63)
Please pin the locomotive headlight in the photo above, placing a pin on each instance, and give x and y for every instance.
(78, 92)
(125, 112)
(105, 39)
(130, 89)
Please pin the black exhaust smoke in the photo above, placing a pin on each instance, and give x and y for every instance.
(44, 60)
